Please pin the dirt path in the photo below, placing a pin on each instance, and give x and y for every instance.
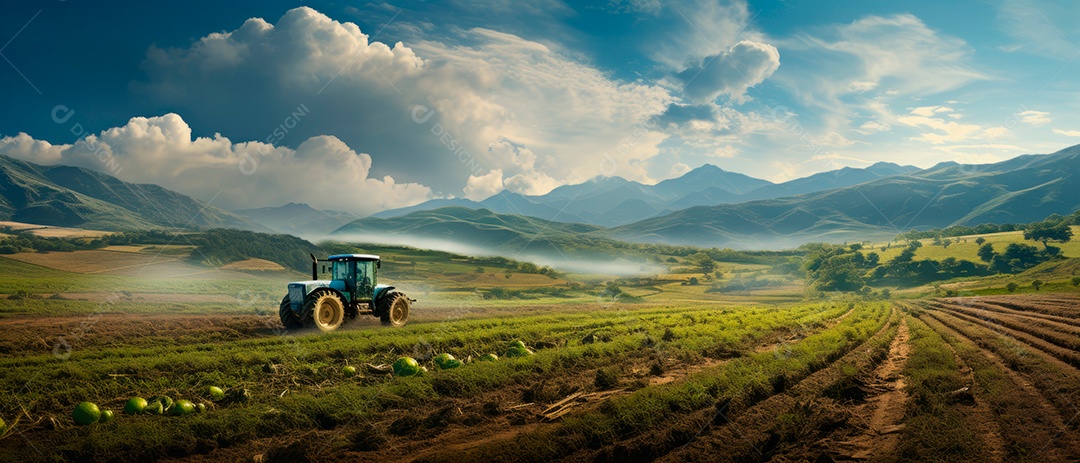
(880, 418)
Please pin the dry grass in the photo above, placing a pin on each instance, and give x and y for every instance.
(46, 231)
(254, 264)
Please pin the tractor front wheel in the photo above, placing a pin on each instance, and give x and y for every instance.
(288, 318)
(394, 309)
(324, 310)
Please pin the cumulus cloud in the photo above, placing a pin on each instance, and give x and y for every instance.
(480, 187)
(322, 171)
(678, 170)
(1034, 117)
(487, 101)
(730, 72)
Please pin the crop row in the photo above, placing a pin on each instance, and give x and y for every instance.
(997, 308)
(295, 381)
(742, 382)
(1030, 429)
(1034, 337)
(1059, 382)
(1065, 336)
(1061, 308)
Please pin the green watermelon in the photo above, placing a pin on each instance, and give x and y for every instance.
(182, 407)
(135, 406)
(518, 351)
(489, 358)
(86, 414)
(215, 393)
(349, 370)
(106, 416)
(406, 366)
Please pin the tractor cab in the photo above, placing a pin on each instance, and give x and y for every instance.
(354, 275)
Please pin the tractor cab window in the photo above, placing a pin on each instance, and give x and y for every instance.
(365, 277)
(343, 270)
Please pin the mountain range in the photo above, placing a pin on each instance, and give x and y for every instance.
(888, 200)
(705, 207)
(614, 201)
(77, 197)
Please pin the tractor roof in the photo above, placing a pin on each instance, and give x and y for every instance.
(364, 257)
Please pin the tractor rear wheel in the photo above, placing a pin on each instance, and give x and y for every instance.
(288, 318)
(324, 310)
(394, 309)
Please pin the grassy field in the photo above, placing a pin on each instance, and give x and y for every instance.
(965, 247)
(663, 370)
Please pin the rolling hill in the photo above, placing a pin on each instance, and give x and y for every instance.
(76, 197)
(476, 228)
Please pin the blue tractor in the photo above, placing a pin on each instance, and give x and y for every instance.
(351, 290)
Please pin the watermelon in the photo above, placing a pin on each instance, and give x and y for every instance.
(215, 393)
(489, 358)
(135, 406)
(182, 407)
(106, 416)
(86, 414)
(406, 366)
(447, 361)
(349, 370)
(518, 351)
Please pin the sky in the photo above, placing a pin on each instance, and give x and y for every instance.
(364, 106)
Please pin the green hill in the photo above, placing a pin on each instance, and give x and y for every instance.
(76, 197)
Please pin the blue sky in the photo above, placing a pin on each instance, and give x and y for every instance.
(398, 102)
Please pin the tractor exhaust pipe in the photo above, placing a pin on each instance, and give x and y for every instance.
(314, 267)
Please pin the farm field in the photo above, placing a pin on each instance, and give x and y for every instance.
(668, 371)
(846, 380)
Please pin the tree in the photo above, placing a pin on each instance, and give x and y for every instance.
(872, 259)
(703, 262)
(1012, 286)
(1037, 284)
(980, 240)
(986, 252)
(1075, 281)
(1045, 232)
(945, 243)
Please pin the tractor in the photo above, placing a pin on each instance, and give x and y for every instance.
(351, 290)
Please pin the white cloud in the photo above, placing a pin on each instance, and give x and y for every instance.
(927, 111)
(700, 28)
(869, 127)
(1034, 117)
(484, 186)
(499, 102)
(678, 170)
(946, 131)
(1067, 133)
(322, 171)
(531, 183)
(899, 53)
(730, 72)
